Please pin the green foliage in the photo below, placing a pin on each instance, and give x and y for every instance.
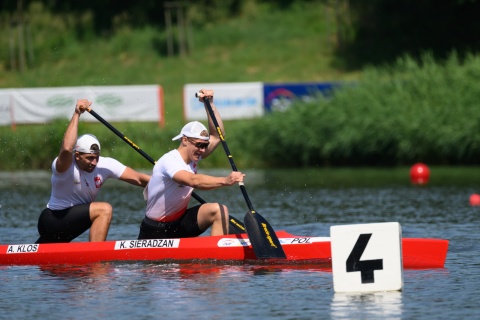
(412, 110)
(393, 116)
(29, 147)
(266, 44)
(385, 30)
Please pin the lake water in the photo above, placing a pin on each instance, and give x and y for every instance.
(304, 202)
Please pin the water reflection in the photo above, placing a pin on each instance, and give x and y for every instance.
(176, 270)
(378, 305)
(94, 270)
(78, 285)
(98, 278)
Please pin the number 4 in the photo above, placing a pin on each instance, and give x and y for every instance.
(366, 267)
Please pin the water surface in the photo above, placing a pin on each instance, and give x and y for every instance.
(304, 202)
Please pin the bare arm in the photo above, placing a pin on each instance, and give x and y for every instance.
(65, 158)
(136, 178)
(214, 136)
(206, 182)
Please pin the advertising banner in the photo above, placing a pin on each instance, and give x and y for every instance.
(241, 100)
(279, 97)
(114, 103)
(5, 107)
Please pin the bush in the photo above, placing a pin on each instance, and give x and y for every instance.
(411, 111)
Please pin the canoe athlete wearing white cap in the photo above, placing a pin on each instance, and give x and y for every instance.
(78, 173)
(175, 176)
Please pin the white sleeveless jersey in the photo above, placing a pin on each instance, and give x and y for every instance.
(167, 200)
(75, 186)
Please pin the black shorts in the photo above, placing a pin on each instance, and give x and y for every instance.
(185, 227)
(63, 225)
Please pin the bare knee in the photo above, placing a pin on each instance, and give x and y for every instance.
(212, 213)
(102, 210)
(101, 216)
(220, 212)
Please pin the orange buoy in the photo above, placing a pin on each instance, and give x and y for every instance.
(419, 173)
(475, 199)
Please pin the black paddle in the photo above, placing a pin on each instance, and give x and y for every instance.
(235, 225)
(264, 240)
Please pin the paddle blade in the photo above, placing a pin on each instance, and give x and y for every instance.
(263, 238)
(235, 226)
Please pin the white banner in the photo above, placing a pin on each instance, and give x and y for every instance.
(114, 103)
(233, 100)
(5, 107)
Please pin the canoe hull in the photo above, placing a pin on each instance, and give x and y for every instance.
(417, 252)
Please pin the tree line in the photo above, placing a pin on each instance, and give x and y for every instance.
(368, 32)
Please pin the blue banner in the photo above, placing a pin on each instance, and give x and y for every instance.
(279, 97)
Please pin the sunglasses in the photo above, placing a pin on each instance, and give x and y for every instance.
(199, 145)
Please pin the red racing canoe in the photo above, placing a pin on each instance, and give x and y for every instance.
(418, 253)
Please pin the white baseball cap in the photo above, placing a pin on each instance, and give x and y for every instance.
(85, 144)
(195, 130)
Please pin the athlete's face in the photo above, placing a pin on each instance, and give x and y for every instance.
(87, 161)
(196, 147)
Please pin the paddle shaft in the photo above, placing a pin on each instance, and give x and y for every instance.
(124, 138)
(264, 240)
(237, 224)
(229, 155)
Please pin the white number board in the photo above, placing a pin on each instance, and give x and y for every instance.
(367, 257)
